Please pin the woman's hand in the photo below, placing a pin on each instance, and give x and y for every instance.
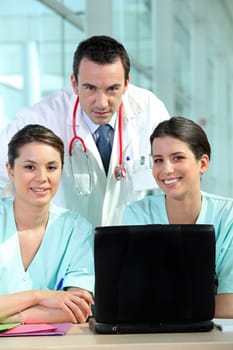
(75, 302)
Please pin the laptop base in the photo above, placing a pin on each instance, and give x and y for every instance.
(166, 327)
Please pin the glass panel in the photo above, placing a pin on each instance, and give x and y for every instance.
(182, 61)
(36, 46)
(132, 23)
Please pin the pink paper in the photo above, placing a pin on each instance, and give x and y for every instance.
(37, 329)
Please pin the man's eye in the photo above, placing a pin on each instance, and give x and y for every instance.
(113, 89)
(89, 87)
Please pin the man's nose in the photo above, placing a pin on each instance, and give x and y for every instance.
(101, 100)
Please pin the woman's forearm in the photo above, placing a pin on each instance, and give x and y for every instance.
(50, 306)
(12, 304)
(39, 314)
(224, 305)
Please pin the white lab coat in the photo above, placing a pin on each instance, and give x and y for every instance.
(142, 111)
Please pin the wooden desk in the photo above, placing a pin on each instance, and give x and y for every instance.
(80, 337)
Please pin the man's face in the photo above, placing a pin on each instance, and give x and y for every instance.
(100, 88)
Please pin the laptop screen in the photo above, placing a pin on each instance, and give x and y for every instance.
(154, 273)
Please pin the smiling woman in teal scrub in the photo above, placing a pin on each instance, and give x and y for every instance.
(181, 155)
(46, 252)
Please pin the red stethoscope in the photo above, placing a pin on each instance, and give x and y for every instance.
(119, 170)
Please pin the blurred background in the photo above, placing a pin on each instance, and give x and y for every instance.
(182, 50)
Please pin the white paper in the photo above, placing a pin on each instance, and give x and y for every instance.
(144, 180)
(224, 324)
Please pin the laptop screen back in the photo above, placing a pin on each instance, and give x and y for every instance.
(154, 273)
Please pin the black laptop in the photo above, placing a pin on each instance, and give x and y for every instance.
(154, 278)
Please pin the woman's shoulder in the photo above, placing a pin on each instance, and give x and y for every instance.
(218, 205)
(148, 201)
(210, 197)
(6, 202)
(62, 214)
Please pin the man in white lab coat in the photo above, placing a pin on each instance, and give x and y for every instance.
(101, 94)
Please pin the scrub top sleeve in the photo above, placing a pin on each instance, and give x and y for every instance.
(224, 264)
(129, 217)
(80, 272)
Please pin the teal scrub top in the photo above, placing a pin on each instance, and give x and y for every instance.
(215, 210)
(66, 252)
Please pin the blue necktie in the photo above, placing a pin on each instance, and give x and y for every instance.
(104, 146)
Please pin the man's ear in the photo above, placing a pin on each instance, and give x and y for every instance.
(74, 84)
(126, 84)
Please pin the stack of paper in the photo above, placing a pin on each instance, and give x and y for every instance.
(15, 329)
(5, 326)
(224, 324)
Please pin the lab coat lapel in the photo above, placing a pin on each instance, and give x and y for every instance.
(131, 110)
(128, 135)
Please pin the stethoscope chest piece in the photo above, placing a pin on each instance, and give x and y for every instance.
(119, 172)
